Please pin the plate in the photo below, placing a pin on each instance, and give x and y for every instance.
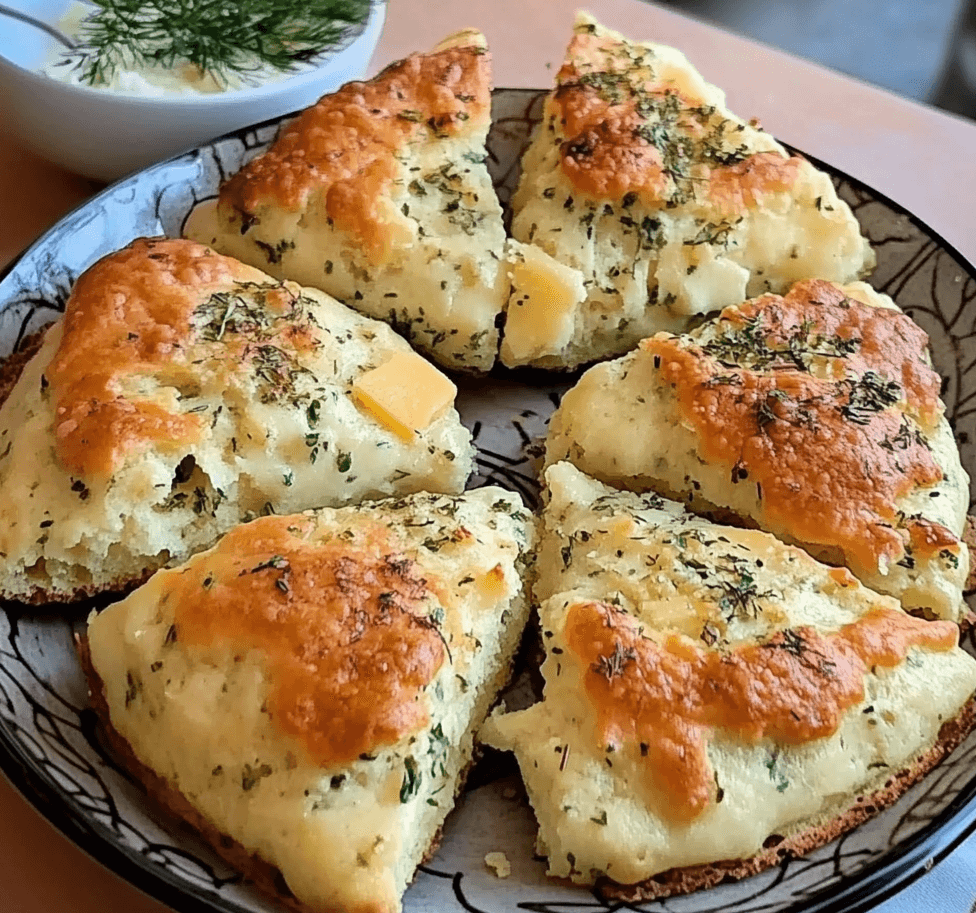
(49, 747)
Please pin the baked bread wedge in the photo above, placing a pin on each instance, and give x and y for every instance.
(306, 693)
(814, 415)
(184, 392)
(379, 195)
(644, 202)
(714, 698)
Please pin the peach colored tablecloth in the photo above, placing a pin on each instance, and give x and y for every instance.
(921, 158)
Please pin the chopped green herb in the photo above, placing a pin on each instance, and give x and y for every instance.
(251, 776)
(411, 780)
(613, 665)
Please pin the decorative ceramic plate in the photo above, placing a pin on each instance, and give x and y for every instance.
(48, 744)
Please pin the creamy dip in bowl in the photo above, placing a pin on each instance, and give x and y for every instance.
(105, 133)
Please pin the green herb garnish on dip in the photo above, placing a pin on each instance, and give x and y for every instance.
(210, 45)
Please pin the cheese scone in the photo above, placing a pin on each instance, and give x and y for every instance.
(379, 195)
(306, 693)
(714, 699)
(184, 392)
(815, 416)
(644, 201)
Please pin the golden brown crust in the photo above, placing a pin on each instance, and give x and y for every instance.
(131, 314)
(770, 421)
(344, 147)
(13, 365)
(693, 878)
(969, 537)
(343, 630)
(878, 339)
(119, 587)
(612, 146)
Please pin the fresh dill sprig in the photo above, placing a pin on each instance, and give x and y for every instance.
(220, 38)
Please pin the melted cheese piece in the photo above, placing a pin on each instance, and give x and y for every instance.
(542, 310)
(815, 415)
(664, 203)
(781, 691)
(312, 685)
(406, 393)
(702, 278)
(379, 195)
(182, 393)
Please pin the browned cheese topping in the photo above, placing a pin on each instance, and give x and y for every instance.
(629, 130)
(928, 537)
(665, 700)
(138, 313)
(830, 456)
(346, 641)
(344, 148)
(877, 340)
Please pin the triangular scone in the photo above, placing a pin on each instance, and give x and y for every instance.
(184, 392)
(307, 692)
(379, 195)
(815, 416)
(714, 699)
(662, 203)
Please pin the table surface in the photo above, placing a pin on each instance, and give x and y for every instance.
(916, 155)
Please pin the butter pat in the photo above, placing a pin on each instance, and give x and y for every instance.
(405, 394)
(542, 308)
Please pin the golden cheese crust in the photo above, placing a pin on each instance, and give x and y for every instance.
(345, 630)
(815, 415)
(183, 392)
(612, 147)
(663, 202)
(135, 313)
(711, 693)
(379, 195)
(344, 148)
(792, 687)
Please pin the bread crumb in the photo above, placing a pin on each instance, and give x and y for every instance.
(499, 864)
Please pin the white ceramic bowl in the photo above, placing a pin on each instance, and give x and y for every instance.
(105, 135)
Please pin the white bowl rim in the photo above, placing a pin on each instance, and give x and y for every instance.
(229, 98)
